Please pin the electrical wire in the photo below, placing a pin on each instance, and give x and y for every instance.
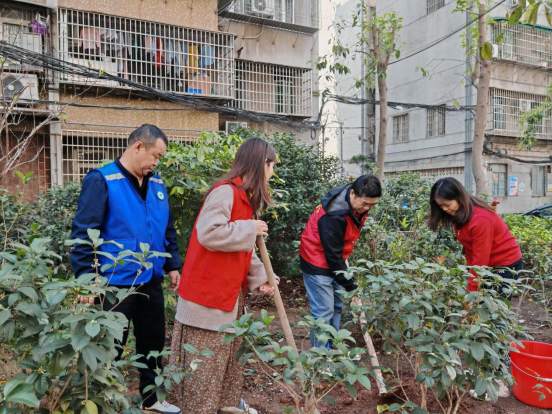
(447, 36)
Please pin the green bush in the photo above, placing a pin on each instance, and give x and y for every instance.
(451, 341)
(65, 351)
(302, 177)
(534, 235)
(396, 229)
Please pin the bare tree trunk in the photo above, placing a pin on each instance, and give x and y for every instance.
(382, 134)
(482, 108)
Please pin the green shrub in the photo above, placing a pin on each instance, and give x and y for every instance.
(302, 177)
(396, 229)
(452, 341)
(306, 376)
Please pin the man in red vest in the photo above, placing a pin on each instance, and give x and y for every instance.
(328, 241)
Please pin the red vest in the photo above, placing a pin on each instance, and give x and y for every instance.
(311, 249)
(212, 278)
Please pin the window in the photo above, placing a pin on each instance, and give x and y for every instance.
(83, 150)
(506, 109)
(273, 89)
(165, 57)
(538, 181)
(498, 179)
(400, 128)
(436, 122)
(522, 43)
(434, 5)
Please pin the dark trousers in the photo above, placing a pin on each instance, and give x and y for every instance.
(507, 273)
(145, 309)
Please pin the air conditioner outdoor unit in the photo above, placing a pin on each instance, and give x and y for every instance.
(20, 86)
(262, 8)
(231, 126)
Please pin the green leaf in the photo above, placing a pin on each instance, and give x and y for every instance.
(90, 407)
(92, 328)
(486, 51)
(477, 351)
(4, 316)
(18, 392)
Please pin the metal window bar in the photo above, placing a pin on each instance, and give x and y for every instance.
(400, 128)
(434, 5)
(498, 179)
(295, 12)
(436, 122)
(166, 57)
(84, 150)
(506, 109)
(538, 181)
(273, 89)
(522, 43)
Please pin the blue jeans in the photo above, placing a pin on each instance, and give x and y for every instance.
(324, 301)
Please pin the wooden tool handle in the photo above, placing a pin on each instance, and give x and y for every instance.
(284, 321)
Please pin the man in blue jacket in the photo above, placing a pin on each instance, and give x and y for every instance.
(129, 204)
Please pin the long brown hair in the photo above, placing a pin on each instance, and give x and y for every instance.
(450, 188)
(249, 164)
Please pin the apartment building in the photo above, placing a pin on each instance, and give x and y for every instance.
(254, 58)
(437, 142)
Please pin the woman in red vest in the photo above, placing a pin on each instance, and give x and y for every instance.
(485, 237)
(220, 267)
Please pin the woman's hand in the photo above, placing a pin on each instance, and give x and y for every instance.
(261, 228)
(266, 289)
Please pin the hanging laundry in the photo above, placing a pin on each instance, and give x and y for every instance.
(159, 52)
(193, 57)
(39, 25)
(207, 56)
(90, 39)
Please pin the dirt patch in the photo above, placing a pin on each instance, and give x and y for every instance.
(262, 393)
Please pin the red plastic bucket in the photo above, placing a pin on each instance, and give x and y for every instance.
(532, 371)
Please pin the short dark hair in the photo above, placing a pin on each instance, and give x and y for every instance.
(367, 186)
(449, 188)
(148, 134)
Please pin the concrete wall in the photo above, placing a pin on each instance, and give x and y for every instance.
(201, 14)
(181, 118)
(343, 125)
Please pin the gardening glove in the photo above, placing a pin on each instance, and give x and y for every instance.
(348, 284)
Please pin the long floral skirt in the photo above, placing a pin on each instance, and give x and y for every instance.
(218, 380)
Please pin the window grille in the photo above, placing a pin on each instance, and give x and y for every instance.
(84, 150)
(522, 43)
(165, 57)
(400, 128)
(498, 179)
(538, 181)
(434, 5)
(436, 122)
(506, 109)
(273, 89)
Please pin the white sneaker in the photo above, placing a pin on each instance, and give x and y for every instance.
(163, 408)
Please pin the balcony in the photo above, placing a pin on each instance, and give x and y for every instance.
(273, 89)
(168, 58)
(297, 15)
(506, 108)
(530, 45)
(25, 27)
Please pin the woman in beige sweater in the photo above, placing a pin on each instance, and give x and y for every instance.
(220, 267)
